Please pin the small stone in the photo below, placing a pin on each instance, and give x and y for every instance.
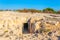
(49, 33)
(11, 32)
(3, 25)
(36, 35)
(7, 36)
(49, 39)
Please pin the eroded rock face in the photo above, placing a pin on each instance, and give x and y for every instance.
(45, 26)
(48, 27)
(50, 24)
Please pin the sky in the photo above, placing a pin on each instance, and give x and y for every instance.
(30, 4)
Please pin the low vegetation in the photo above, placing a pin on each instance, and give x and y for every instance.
(46, 10)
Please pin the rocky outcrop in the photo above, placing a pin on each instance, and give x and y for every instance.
(42, 26)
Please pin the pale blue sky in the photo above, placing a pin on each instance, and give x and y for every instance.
(35, 4)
